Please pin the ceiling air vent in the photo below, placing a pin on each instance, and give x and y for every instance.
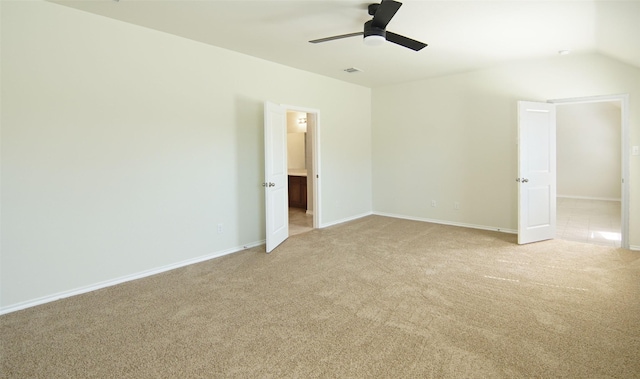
(351, 70)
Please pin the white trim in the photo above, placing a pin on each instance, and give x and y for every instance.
(332, 223)
(634, 247)
(589, 99)
(450, 223)
(626, 156)
(589, 198)
(123, 279)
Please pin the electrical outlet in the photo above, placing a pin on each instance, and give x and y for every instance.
(220, 229)
(456, 205)
(433, 203)
(635, 150)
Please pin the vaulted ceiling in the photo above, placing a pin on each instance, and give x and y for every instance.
(462, 35)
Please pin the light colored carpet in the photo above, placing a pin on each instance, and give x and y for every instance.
(376, 297)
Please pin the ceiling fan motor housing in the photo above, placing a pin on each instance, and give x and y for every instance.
(373, 36)
(370, 30)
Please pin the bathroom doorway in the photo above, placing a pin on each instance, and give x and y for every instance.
(302, 131)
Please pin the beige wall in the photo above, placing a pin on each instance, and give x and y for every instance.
(589, 150)
(453, 138)
(123, 148)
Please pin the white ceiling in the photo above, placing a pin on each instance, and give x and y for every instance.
(462, 35)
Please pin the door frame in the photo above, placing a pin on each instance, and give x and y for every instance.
(315, 157)
(625, 152)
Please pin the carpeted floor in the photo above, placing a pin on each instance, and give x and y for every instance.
(376, 297)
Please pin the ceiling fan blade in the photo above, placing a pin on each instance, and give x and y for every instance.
(385, 12)
(336, 37)
(405, 41)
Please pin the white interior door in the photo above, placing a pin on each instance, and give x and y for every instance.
(536, 171)
(275, 175)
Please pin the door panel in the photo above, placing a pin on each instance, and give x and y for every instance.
(536, 171)
(276, 185)
(539, 216)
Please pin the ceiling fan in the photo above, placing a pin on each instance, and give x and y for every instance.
(375, 32)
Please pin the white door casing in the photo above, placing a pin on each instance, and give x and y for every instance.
(276, 177)
(536, 171)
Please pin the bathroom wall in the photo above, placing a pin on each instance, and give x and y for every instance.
(296, 134)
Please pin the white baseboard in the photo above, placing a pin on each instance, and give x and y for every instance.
(451, 223)
(123, 279)
(158, 270)
(326, 225)
(589, 198)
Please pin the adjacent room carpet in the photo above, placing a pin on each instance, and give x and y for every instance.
(375, 297)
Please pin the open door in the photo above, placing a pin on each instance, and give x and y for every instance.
(536, 171)
(275, 175)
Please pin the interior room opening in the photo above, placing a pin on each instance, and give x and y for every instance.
(589, 171)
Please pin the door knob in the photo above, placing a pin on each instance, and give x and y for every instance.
(272, 184)
(525, 180)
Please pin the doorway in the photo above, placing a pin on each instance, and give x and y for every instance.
(592, 164)
(302, 165)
